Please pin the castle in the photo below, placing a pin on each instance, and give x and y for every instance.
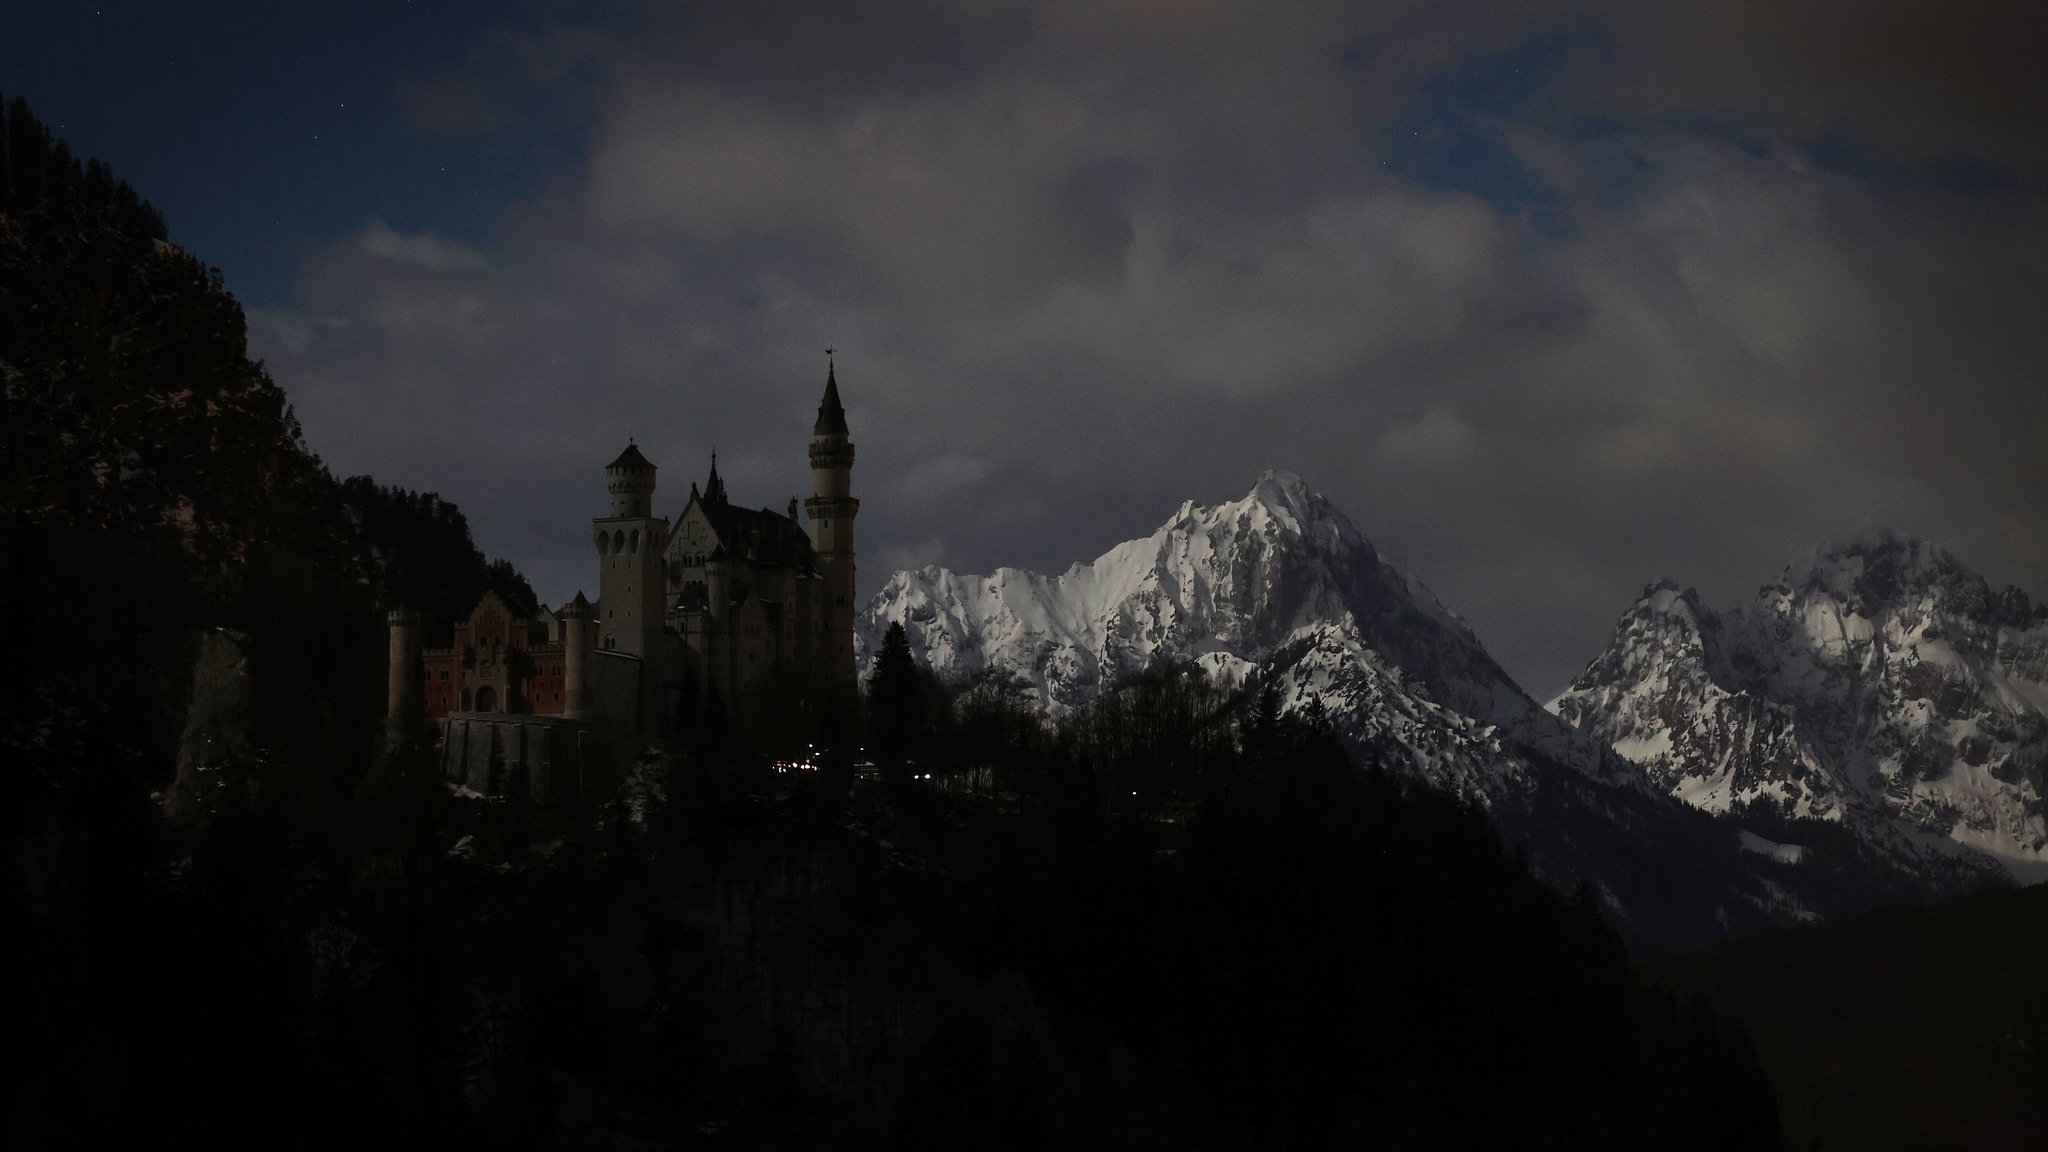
(690, 617)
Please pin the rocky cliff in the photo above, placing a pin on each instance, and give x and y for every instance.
(1880, 686)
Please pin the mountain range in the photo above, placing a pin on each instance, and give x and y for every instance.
(1880, 686)
(1614, 785)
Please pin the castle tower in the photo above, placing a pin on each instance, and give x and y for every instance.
(575, 643)
(832, 511)
(402, 700)
(629, 542)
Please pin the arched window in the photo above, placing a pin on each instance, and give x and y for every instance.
(487, 699)
(634, 546)
(604, 542)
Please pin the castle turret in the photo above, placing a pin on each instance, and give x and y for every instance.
(629, 545)
(832, 511)
(630, 480)
(575, 643)
(402, 700)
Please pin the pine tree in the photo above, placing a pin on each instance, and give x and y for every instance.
(894, 705)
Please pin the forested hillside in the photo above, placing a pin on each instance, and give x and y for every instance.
(192, 617)
(1902, 1028)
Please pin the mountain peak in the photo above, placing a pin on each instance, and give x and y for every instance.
(1663, 597)
(1883, 538)
(1289, 501)
(1884, 567)
(1880, 684)
(1280, 480)
(1884, 547)
(1288, 494)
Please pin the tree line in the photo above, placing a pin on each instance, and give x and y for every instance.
(39, 168)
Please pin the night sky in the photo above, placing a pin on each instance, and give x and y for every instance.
(1552, 299)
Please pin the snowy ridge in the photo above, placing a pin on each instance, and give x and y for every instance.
(1279, 582)
(1281, 586)
(1880, 685)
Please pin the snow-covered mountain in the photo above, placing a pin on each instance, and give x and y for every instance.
(1278, 580)
(1281, 585)
(1881, 687)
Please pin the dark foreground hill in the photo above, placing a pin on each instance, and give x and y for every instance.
(184, 588)
(1902, 1028)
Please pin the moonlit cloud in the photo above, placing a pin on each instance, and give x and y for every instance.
(1550, 305)
(423, 249)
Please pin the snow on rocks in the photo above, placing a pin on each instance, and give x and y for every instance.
(1881, 685)
(1278, 583)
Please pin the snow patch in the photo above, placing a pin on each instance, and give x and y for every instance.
(1782, 853)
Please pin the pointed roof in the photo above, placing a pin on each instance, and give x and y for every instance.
(630, 458)
(831, 414)
(714, 488)
(755, 536)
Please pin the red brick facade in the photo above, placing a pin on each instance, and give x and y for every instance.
(497, 663)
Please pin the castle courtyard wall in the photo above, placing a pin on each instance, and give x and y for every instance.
(551, 761)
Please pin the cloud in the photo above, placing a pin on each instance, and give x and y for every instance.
(1085, 261)
(939, 480)
(422, 248)
(902, 557)
(1433, 439)
(448, 105)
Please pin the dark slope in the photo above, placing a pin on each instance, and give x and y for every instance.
(193, 635)
(1902, 1028)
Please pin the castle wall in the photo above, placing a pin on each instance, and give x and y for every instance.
(550, 761)
(616, 686)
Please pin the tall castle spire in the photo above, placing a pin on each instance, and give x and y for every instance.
(714, 487)
(831, 413)
(832, 510)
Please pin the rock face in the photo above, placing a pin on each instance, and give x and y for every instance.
(1280, 585)
(1279, 581)
(214, 746)
(1882, 687)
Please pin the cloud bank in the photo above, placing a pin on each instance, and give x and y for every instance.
(1551, 300)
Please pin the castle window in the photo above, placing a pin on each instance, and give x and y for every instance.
(635, 545)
